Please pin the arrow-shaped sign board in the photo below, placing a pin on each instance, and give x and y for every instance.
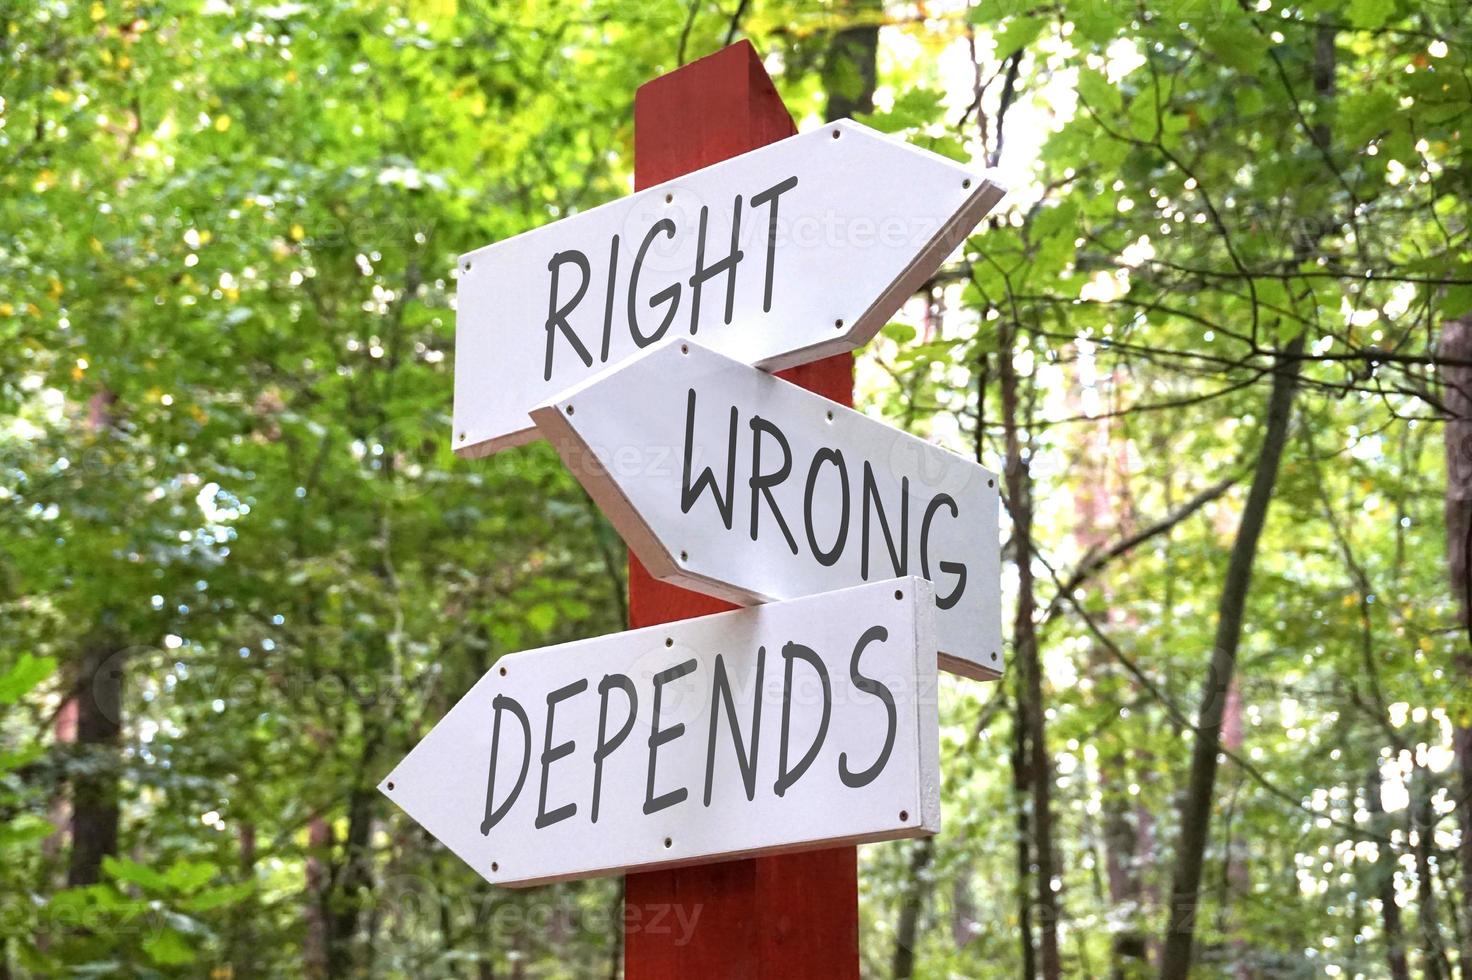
(787, 726)
(735, 483)
(786, 254)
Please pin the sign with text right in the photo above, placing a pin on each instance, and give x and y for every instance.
(777, 257)
(729, 481)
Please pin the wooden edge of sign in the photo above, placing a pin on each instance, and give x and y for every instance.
(489, 447)
(580, 460)
(982, 199)
(816, 844)
(966, 668)
(927, 703)
(552, 422)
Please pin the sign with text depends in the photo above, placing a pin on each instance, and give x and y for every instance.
(783, 255)
(786, 726)
(735, 483)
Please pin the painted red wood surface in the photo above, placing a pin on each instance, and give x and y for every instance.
(794, 915)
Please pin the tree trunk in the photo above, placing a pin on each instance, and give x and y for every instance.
(907, 932)
(1456, 344)
(316, 952)
(1025, 658)
(1195, 820)
(97, 707)
(1423, 825)
(354, 877)
(851, 69)
(1021, 788)
(95, 815)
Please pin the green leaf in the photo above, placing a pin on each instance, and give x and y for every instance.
(168, 948)
(190, 876)
(214, 898)
(1370, 14)
(900, 333)
(21, 679)
(1237, 46)
(21, 757)
(1018, 34)
(991, 11)
(131, 872)
(25, 829)
(1456, 302)
(542, 616)
(1101, 94)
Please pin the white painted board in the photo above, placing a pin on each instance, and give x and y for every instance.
(683, 450)
(833, 229)
(672, 789)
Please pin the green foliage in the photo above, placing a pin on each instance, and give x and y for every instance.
(228, 492)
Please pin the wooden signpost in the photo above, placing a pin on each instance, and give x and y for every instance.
(728, 761)
(727, 480)
(795, 724)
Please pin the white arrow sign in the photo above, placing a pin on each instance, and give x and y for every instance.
(783, 255)
(791, 725)
(738, 484)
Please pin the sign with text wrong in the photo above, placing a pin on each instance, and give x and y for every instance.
(783, 255)
(727, 480)
(786, 726)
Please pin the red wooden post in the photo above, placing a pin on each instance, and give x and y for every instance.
(793, 915)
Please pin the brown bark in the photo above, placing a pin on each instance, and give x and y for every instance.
(96, 706)
(1456, 344)
(1039, 770)
(317, 945)
(1196, 806)
(850, 71)
(1021, 787)
(1238, 881)
(95, 815)
(352, 879)
(912, 903)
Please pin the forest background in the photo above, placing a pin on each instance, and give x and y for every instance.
(1217, 340)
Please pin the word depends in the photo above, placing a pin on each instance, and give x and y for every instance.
(792, 724)
(742, 729)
